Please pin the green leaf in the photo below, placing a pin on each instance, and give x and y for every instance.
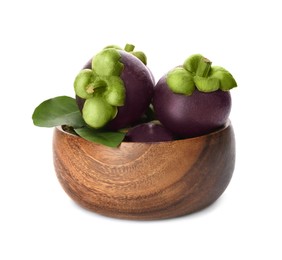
(58, 111)
(111, 139)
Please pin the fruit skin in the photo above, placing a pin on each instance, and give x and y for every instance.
(139, 87)
(190, 116)
(148, 132)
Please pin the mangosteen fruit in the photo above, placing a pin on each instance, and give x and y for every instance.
(148, 132)
(113, 90)
(194, 99)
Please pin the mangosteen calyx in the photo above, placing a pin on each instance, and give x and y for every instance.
(197, 72)
(102, 87)
(130, 49)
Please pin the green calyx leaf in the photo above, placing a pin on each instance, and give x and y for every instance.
(111, 139)
(115, 91)
(102, 87)
(97, 112)
(206, 84)
(138, 54)
(107, 63)
(141, 56)
(226, 80)
(84, 83)
(191, 64)
(130, 49)
(58, 111)
(180, 81)
(197, 72)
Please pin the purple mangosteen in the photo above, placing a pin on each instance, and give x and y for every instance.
(114, 90)
(193, 99)
(148, 132)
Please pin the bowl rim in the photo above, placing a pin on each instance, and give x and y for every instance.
(221, 129)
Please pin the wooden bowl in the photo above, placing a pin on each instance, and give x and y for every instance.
(145, 180)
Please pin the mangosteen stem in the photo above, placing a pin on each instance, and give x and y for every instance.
(204, 67)
(129, 47)
(90, 89)
(92, 86)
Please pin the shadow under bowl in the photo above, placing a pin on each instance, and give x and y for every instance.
(145, 181)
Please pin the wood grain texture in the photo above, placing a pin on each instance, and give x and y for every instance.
(145, 180)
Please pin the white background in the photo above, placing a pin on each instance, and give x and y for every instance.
(43, 44)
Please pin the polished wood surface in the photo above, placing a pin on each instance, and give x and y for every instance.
(145, 180)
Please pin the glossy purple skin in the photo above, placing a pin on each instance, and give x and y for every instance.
(139, 87)
(148, 132)
(190, 116)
